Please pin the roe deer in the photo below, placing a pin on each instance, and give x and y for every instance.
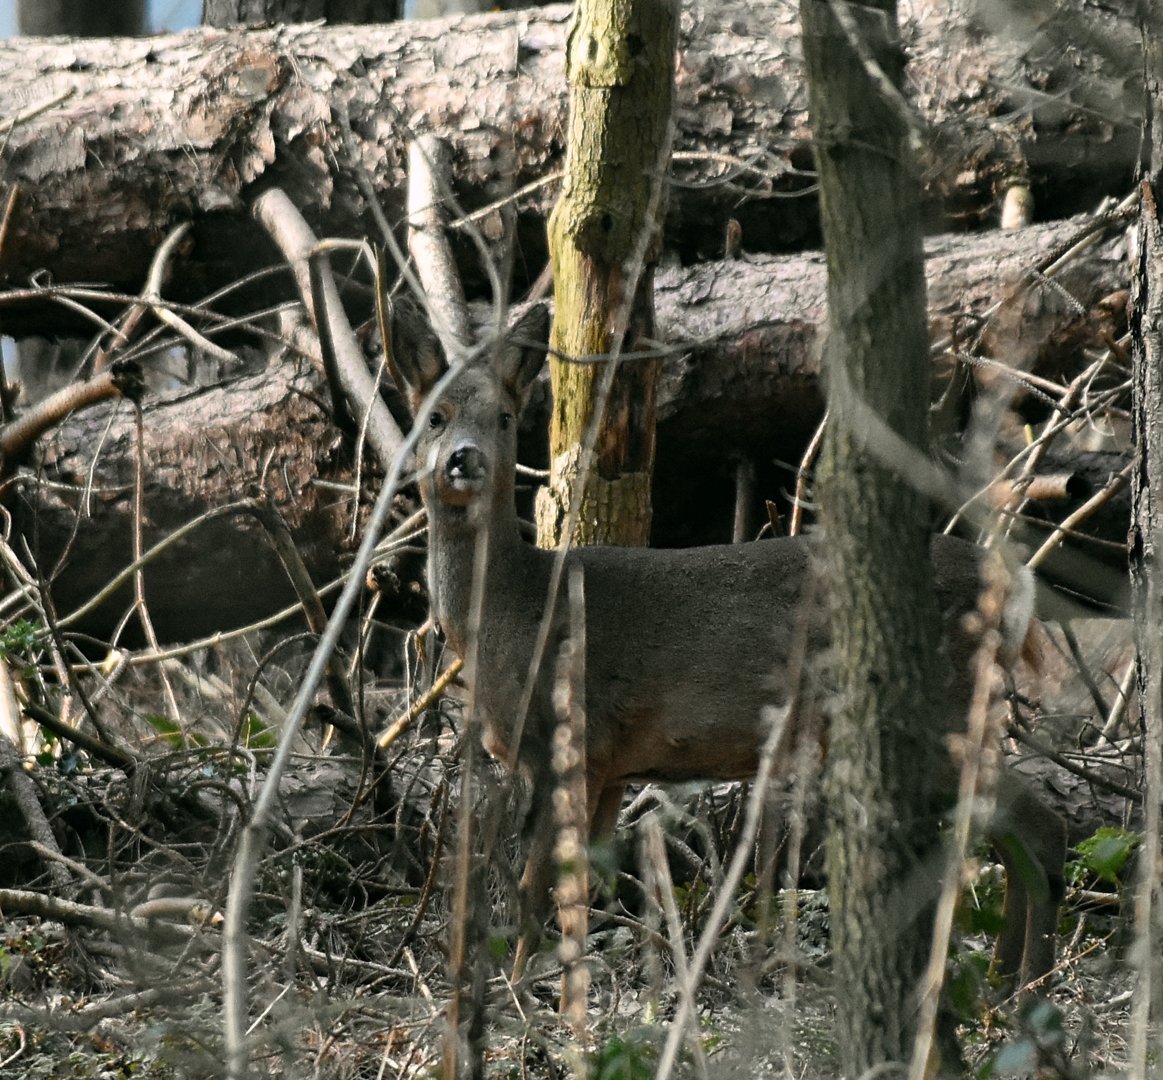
(682, 647)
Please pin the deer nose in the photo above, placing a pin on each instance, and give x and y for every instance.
(466, 465)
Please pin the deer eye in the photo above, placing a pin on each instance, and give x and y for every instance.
(506, 421)
(436, 419)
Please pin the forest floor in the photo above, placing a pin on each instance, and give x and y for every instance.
(115, 969)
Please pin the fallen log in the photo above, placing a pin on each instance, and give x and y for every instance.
(740, 383)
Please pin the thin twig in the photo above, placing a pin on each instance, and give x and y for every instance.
(655, 850)
(139, 576)
(1098, 500)
(152, 295)
(807, 463)
(399, 726)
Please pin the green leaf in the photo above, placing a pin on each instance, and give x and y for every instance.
(169, 732)
(1105, 854)
(256, 735)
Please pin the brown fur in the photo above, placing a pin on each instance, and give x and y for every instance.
(683, 649)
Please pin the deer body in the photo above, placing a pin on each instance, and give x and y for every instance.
(684, 649)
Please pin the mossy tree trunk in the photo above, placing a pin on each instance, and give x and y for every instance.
(881, 825)
(604, 238)
(1146, 546)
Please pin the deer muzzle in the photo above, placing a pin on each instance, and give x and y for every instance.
(463, 477)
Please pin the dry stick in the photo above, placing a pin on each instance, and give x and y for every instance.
(1119, 708)
(807, 463)
(10, 205)
(1027, 459)
(139, 576)
(1052, 487)
(82, 872)
(1080, 665)
(791, 910)
(22, 1039)
(96, 748)
(1071, 521)
(337, 344)
(569, 810)
(24, 793)
(10, 718)
(447, 307)
(285, 225)
(86, 1018)
(1058, 259)
(434, 176)
(367, 188)
(8, 393)
(423, 702)
(72, 913)
(1050, 266)
(300, 578)
(121, 380)
(51, 639)
(253, 837)
(429, 887)
(343, 359)
(152, 295)
(778, 719)
(1045, 750)
(655, 850)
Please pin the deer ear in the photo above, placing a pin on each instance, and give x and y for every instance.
(524, 351)
(415, 359)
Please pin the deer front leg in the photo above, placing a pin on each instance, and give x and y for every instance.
(537, 877)
(604, 810)
(537, 880)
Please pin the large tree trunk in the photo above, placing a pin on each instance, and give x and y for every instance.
(605, 235)
(880, 784)
(1147, 559)
(186, 126)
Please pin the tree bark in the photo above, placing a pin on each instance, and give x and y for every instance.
(188, 126)
(605, 235)
(1146, 543)
(879, 787)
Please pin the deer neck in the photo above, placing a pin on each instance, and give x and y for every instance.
(459, 537)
